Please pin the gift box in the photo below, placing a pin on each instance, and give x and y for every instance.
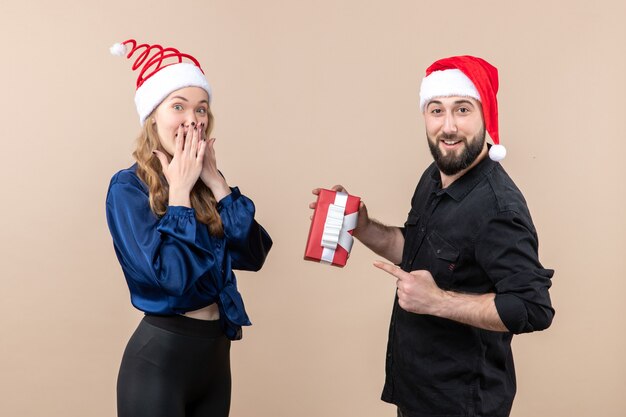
(330, 237)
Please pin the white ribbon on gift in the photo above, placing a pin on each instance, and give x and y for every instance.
(336, 228)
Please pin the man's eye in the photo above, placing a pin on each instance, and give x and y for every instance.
(435, 111)
(464, 110)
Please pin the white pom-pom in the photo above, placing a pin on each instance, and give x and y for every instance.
(497, 153)
(118, 49)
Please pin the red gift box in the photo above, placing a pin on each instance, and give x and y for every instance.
(330, 237)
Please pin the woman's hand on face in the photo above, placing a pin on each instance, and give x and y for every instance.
(184, 169)
(210, 175)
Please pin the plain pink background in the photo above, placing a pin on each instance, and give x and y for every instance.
(307, 94)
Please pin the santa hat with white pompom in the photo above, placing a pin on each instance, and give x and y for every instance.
(466, 76)
(161, 71)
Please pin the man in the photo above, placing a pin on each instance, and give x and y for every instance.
(469, 275)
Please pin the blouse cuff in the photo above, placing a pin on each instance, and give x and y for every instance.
(229, 199)
(180, 211)
(180, 223)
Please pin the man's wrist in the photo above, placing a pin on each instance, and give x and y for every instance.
(441, 305)
(361, 230)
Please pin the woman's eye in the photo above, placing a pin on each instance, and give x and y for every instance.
(202, 110)
(177, 107)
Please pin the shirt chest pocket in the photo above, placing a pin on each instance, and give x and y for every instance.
(443, 257)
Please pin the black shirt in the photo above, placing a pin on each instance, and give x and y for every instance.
(475, 236)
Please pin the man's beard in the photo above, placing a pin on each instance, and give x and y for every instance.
(451, 164)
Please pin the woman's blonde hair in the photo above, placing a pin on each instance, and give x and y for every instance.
(150, 171)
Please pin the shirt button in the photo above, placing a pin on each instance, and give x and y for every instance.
(438, 251)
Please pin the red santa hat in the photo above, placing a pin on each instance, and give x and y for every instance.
(466, 76)
(161, 71)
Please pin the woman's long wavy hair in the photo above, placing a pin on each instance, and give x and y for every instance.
(150, 171)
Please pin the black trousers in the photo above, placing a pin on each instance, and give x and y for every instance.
(175, 366)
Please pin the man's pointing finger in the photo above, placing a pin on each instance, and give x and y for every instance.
(391, 269)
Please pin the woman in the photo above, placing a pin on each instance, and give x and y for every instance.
(179, 231)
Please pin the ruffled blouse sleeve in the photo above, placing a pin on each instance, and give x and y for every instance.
(169, 253)
(247, 241)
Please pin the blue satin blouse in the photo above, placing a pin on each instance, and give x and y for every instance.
(172, 264)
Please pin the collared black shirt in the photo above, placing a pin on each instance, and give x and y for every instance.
(475, 236)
